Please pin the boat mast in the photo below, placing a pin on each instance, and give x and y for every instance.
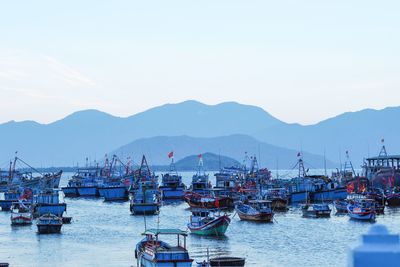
(325, 162)
(348, 163)
(383, 152)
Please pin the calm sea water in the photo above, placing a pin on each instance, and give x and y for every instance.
(105, 234)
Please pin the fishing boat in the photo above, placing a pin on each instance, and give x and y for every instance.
(313, 188)
(255, 210)
(200, 181)
(383, 171)
(259, 177)
(21, 214)
(210, 201)
(227, 261)
(117, 179)
(341, 205)
(203, 223)
(153, 252)
(145, 198)
(114, 191)
(49, 224)
(88, 181)
(71, 190)
(10, 196)
(316, 210)
(393, 197)
(48, 202)
(363, 209)
(228, 181)
(29, 177)
(172, 187)
(278, 198)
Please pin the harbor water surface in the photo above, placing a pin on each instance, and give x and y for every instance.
(105, 234)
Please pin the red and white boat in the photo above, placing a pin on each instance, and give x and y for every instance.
(21, 214)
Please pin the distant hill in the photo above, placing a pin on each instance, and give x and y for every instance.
(92, 133)
(212, 162)
(157, 148)
(358, 132)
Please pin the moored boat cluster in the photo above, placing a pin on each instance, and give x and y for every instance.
(248, 192)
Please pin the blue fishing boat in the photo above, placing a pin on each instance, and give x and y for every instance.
(88, 177)
(228, 181)
(203, 223)
(48, 202)
(49, 224)
(278, 197)
(145, 198)
(153, 252)
(172, 187)
(200, 181)
(257, 177)
(114, 191)
(21, 214)
(362, 209)
(11, 196)
(85, 181)
(255, 210)
(71, 190)
(117, 179)
(27, 177)
(393, 197)
(313, 188)
(316, 210)
(383, 171)
(341, 205)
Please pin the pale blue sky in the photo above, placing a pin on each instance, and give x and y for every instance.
(302, 61)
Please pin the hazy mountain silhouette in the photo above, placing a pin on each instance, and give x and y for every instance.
(157, 149)
(93, 133)
(359, 133)
(212, 162)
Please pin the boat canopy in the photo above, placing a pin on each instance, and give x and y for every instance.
(157, 232)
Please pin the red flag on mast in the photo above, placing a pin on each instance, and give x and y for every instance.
(171, 154)
(200, 156)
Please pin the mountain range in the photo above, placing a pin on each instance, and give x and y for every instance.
(92, 133)
(236, 146)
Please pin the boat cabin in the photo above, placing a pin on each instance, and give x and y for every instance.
(152, 249)
(260, 204)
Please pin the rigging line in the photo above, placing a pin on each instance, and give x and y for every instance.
(30, 166)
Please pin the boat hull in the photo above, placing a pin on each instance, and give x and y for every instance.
(21, 219)
(172, 193)
(144, 209)
(329, 195)
(340, 206)
(87, 191)
(299, 197)
(393, 201)
(114, 193)
(5, 205)
(227, 261)
(70, 191)
(144, 262)
(363, 217)
(316, 214)
(261, 217)
(49, 229)
(216, 227)
(279, 204)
